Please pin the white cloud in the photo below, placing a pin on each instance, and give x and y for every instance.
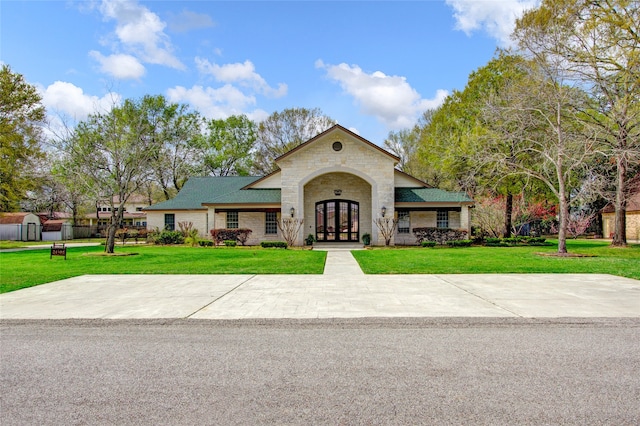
(213, 103)
(68, 99)
(120, 66)
(389, 98)
(187, 20)
(140, 32)
(242, 73)
(496, 17)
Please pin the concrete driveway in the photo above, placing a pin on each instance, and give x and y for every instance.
(326, 296)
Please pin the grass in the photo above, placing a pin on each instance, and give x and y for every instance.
(32, 267)
(623, 262)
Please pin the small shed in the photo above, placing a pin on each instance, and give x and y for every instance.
(19, 227)
(57, 230)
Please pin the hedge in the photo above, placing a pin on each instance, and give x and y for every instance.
(273, 244)
(459, 243)
(429, 244)
(221, 235)
(440, 235)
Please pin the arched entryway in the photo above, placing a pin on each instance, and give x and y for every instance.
(337, 220)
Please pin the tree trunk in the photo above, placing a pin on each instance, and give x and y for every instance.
(620, 227)
(563, 222)
(111, 236)
(508, 212)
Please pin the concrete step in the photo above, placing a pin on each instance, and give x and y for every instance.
(339, 246)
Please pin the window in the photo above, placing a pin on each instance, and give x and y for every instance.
(442, 220)
(170, 221)
(403, 222)
(271, 223)
(232, 220)
(138, 209)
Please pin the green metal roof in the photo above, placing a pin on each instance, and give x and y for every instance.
(430, 195)
(217, 190)
(228, 190)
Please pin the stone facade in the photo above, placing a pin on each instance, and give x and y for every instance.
(366, 167)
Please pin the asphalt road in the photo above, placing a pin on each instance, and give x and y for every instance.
(376, 371)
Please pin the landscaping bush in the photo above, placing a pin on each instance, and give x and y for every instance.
(240, 235)
(441, 235)
(273, 244)
(459, 243)
(537, 240)
(205, 243)
(493, 241)
(168, 237)
(230, 243)
(429, 244)
(309, 240)
(510, 240)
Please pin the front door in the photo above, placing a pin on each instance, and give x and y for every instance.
(337, 221)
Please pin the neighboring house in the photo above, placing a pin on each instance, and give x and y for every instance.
(19, 227)
(134, 215)
(632, 214)
(337, 182)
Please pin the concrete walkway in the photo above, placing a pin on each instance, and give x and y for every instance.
(341, 262)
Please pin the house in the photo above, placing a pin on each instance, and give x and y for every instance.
(19, 227)
(337, 183)
(133, 216)
(632, 213)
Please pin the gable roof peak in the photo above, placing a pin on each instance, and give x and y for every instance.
(338, 127)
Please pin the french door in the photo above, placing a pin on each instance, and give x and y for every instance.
(338, 221)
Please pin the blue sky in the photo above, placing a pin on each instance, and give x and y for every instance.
(373, 66)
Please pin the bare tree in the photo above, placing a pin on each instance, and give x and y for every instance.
(387, 226)
(283, 131)
(549, 143)
(290, 228)
(597, 43)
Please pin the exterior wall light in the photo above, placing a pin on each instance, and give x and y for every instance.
(383, 210)
(337, 192)
(292, 211)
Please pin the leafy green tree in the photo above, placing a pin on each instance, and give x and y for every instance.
(225, 146)
(283, 131)
(175, 129)
(597, 43)
(111, 155)
(405, 143)
(21, 119)
(453, 143)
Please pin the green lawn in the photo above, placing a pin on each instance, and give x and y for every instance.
(624, 262)
(33, 267)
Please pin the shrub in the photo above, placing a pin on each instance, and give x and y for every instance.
(441, 235)
(273, 244)
(169, 237)
(429, 244)
(366, 239)
(511, 240)
(309, 240)
(240, 235)
(537, 240)
(205, 243)
(230, 243)
(459, 243)
(493, 241)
